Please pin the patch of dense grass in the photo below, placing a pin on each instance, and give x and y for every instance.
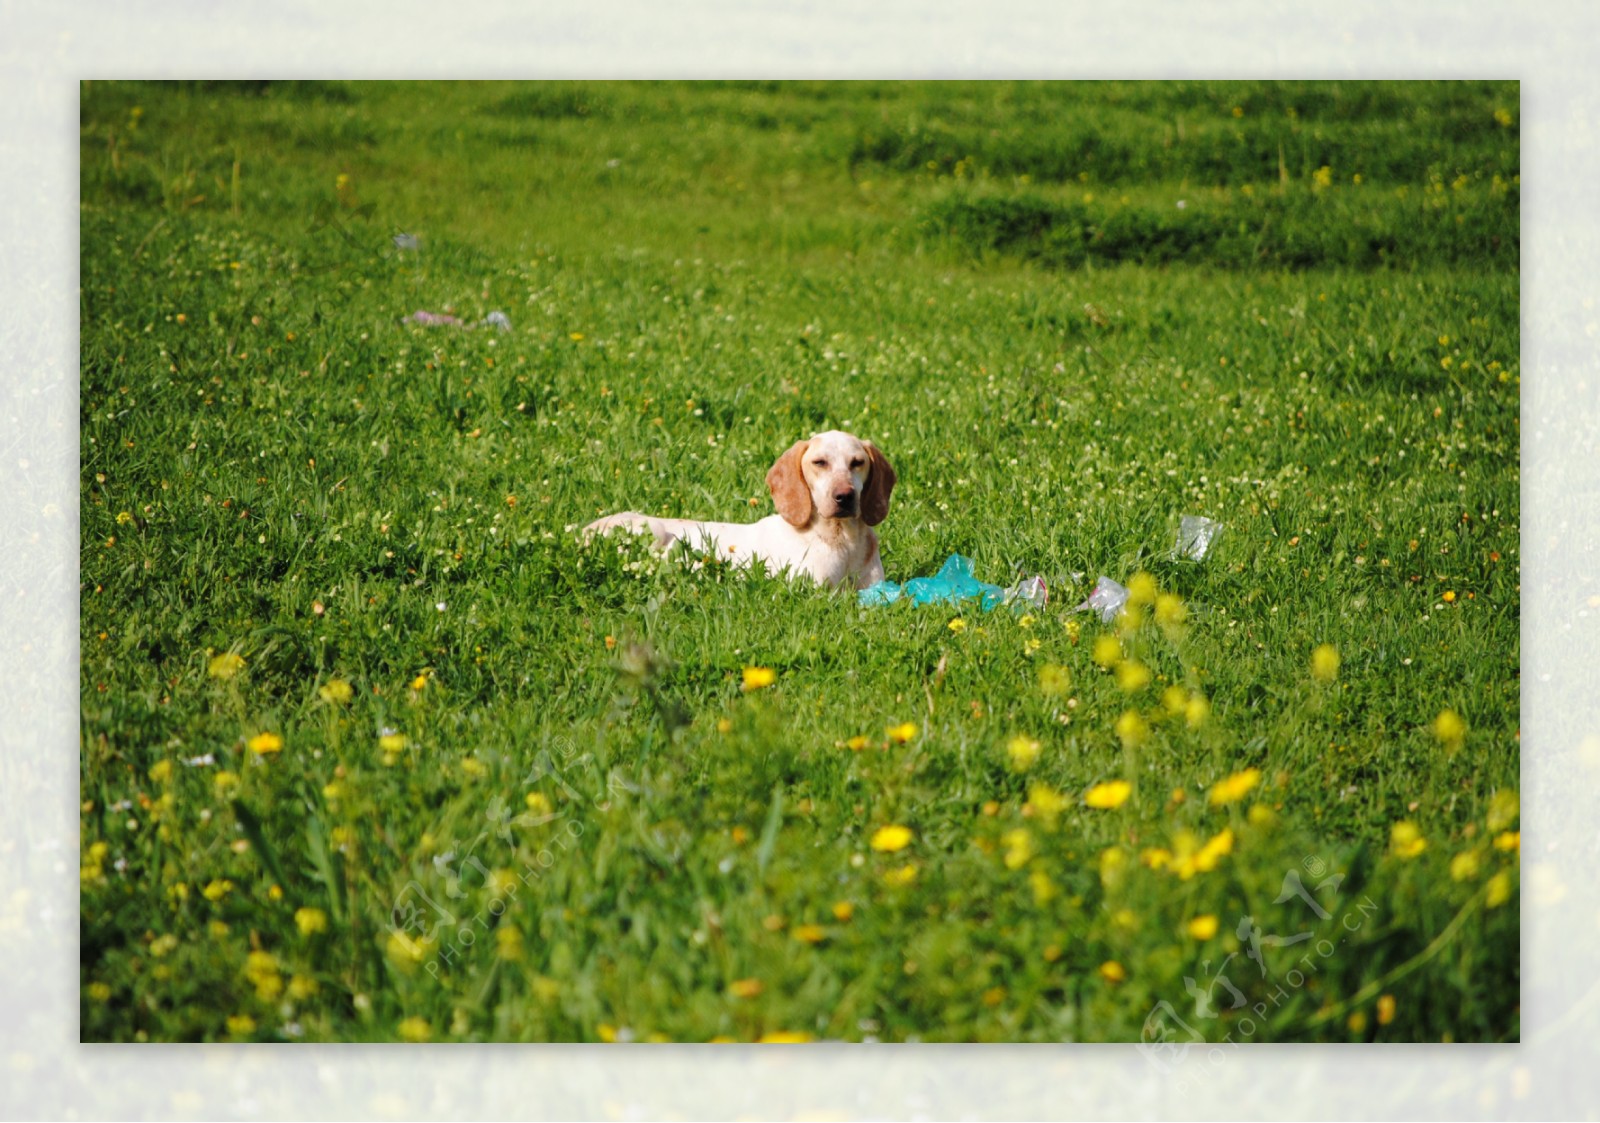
(512, 786)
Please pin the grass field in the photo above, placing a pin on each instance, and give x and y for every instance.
(373, 748)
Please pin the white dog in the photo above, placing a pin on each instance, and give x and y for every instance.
(829, 491)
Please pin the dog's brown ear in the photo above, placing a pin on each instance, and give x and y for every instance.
(788, 486)
(880, 482)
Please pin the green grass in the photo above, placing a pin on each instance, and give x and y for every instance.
(590, 830)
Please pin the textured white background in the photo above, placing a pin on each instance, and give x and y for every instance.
(46, 49)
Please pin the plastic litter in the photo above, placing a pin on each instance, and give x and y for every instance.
(953, 584)
(407, 242)
(1107, 598)
(496, 319)
(1195, 536)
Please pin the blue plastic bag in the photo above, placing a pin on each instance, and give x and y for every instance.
(954, 584)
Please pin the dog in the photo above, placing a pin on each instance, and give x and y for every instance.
(830, 492)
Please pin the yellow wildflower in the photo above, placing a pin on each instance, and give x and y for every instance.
(1450, 729)
(537, 802)
(1132, 676)
(261, 969)
(784, 1037)
(891, 838)
(1196, 711)
(1054, 679)
(391, 742)
(1508, 840)
(1109, 795)
(1231, 789)
(1142, 589)
(809, 933)
(508, 942)
(745, 988)
(857, 743)
(902, 733)
(415, 1030)
(310, 921)
(1023, 751)
(217, 889)
(264, 744)
(161, 771)
(1170, 611)
(958, 625)
(225, 781)
(1325, 663)
(1046, 802)
(843, 911)
(1503, 810)
(1464, 866)
(302, 987)
(1131, 729)
(1107, 651)
(1499, 889)
(241, 1025)
(1385, 1009)
(1019, 848)
(1202, 927)
(1044, 890)
(226, 665)
(1112, 971)
(336, 690)
(1175, 699)
(1406, 840)
(901, 876)
(755, 678)
(1156, 857)
(98, 992)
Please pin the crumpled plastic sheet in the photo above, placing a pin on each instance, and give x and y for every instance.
(1196, 533)
(1106, 598)
(954, 584)
(495, 319)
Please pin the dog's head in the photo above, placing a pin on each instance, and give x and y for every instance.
(832, 476)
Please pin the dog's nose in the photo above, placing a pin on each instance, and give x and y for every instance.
(844, 500)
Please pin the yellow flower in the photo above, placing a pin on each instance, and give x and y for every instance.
(1112, 971)
(1508, 840)
(310, 921)
(1156, 857)
(1385, 1009)
(1503, 810)
(1406, 840)
(261, 969)
(1054, 679)
(957, 625)
(302, 987)
(415, 1030)
(1464, 866)
(1260, 815)
(161, 771)
(843, 911)
(1323, 176)
(1170, 611)
(1141, 589)
(537, 802)
(1109, 795)
(1174, 699)
(263, 744)
(757, 677)
(1132, 676)
(1196, 711)
(1019, 848)
(809, 933)
(902, 733)
(336, 690)
(891, 838)
(1499, 889)
(745, 988)
(1202, 927)
(1450, 729)
(1112, 861)
(217, 889)
(391, 742)
(1325, 663)
(420, 682)
(1107, 650)
(225, 781)
(784, 1037)
(1046, 802)
(98, 992)
(508, 942)
(226, 665)
(900, 877)
(1131, 729)
(241, 1025)
(1044, 890)
(857, 743)
(1233, 788)
(724, 725)
(1357, 1021)
(1023, 751)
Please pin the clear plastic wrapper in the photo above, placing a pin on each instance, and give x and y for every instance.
(1196, 533)
(955, 584)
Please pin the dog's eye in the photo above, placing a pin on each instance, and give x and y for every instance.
(820, 463)
(857, 462)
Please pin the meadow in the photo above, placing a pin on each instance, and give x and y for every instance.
(375, 748)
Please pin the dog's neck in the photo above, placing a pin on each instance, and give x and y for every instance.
(837, 532)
